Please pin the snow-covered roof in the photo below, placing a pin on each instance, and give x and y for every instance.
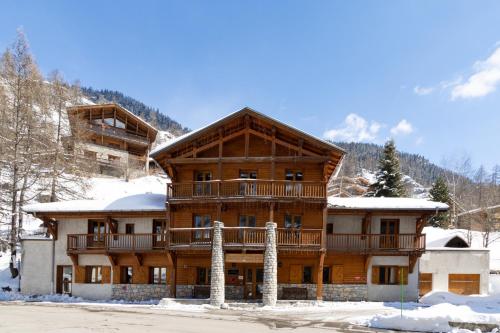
(381, 203)
(191, 134)
(438, 237)
(145, 202)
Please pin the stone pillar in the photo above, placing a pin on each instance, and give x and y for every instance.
(217, 284)
(270, 287)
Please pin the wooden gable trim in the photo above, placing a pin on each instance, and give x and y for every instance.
(113, 260)
(51, 225)
(74, 258)
(112, 225)
(139, 259)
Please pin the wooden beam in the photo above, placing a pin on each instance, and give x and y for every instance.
(368, 260)
(112, 225)
(247, 135)
(173, 277)
(74, 259)
(113, 260)
(273, 153)
(51, 225)
(139, 258)
(319, 277)
(412, 260)
(242, 159)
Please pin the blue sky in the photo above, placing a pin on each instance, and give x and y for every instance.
(424, 72)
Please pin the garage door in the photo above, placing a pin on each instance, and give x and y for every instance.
(463, 284)
(424, 283)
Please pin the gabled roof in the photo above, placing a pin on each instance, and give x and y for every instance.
(77, 108)
(245, 111)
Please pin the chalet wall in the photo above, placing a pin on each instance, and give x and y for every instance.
(92, 291)
(440, 263)
(384, 293)
(346, 224)
(36, 266)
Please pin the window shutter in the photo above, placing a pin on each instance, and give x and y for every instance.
(106, 274)
(79, 274)
(403, 274)
(116, 274)
(375, 274)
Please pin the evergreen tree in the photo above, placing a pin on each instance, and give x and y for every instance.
(389, 183)
(440, 193)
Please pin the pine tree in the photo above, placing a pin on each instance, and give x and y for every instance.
(389, 183)
(440, 193)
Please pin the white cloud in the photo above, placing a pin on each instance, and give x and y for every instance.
(483, 81)
(355, 128)
(421, 91)
(419, 141)
(403, 127)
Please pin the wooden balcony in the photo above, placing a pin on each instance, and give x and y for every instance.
(235, 189)
(118, 133)
(375, 243)
(253, 238)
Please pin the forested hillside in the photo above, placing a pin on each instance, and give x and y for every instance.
(366, 155)
(150, 114)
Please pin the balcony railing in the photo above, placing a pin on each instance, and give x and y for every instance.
(244, 188)
(117, 133)
(375, 242)
(116, 242)
(244, 237)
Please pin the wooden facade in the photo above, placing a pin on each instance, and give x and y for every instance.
(245, 170)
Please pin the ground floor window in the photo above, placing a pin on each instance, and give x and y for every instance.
(93, 274)
(126, 274)
(203, 275)
(389, 275)
(158, 275)
(326, 275)
(307, 274)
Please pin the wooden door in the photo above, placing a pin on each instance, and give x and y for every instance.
(203, 186)
(464, 284)
(64, 279)
(253, 279)
(159, 236)
(96, 228)
(424, 283)
(295, 274)
(338, 274)
(389, 230)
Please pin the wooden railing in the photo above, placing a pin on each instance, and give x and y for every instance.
(375, 242)
(116, 242)
(244, 237)
(191, 237)
(115, 132)
(246, 188)
(298, 237)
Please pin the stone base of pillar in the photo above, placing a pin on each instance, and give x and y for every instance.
(270, 286)
(217, 283)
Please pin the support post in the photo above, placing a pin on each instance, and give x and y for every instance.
(217, 283)
(319, 277)
(270, 287)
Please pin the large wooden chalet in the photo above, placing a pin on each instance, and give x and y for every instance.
(243, 170)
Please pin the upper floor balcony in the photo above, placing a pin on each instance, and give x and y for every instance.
(235, 189)
(245, 238)
(118, 133)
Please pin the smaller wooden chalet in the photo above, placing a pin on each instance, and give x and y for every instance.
(111, 135)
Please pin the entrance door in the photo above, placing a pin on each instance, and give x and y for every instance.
(338, 274)
(254, 278)
(248, 187)
(247, 221)
(203, 186)
(97, 230)
(159, 236)
(389, 230)
(64, 279)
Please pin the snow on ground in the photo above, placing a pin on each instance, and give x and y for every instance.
(442, 307)
(5, 277)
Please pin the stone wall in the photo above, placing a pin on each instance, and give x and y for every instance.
(345, 292)
(235, 292)
(185, 291)
(311, 289)
(139, 292)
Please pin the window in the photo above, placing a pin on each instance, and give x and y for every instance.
(389, 230)
(98, 229)
(159, 231)
(329, 228)
(126, 274)
(203, 275)
(201, 221)
(232, 275)
(293, 221)
(93, 274)
(326, 274)
(246, 221)
(248, 187)
(129, 228)
(292, 177)
(158, 275)
(389, 275)
(307, 274)
(203, 187)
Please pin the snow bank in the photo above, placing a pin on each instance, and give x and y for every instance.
(439, 308)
